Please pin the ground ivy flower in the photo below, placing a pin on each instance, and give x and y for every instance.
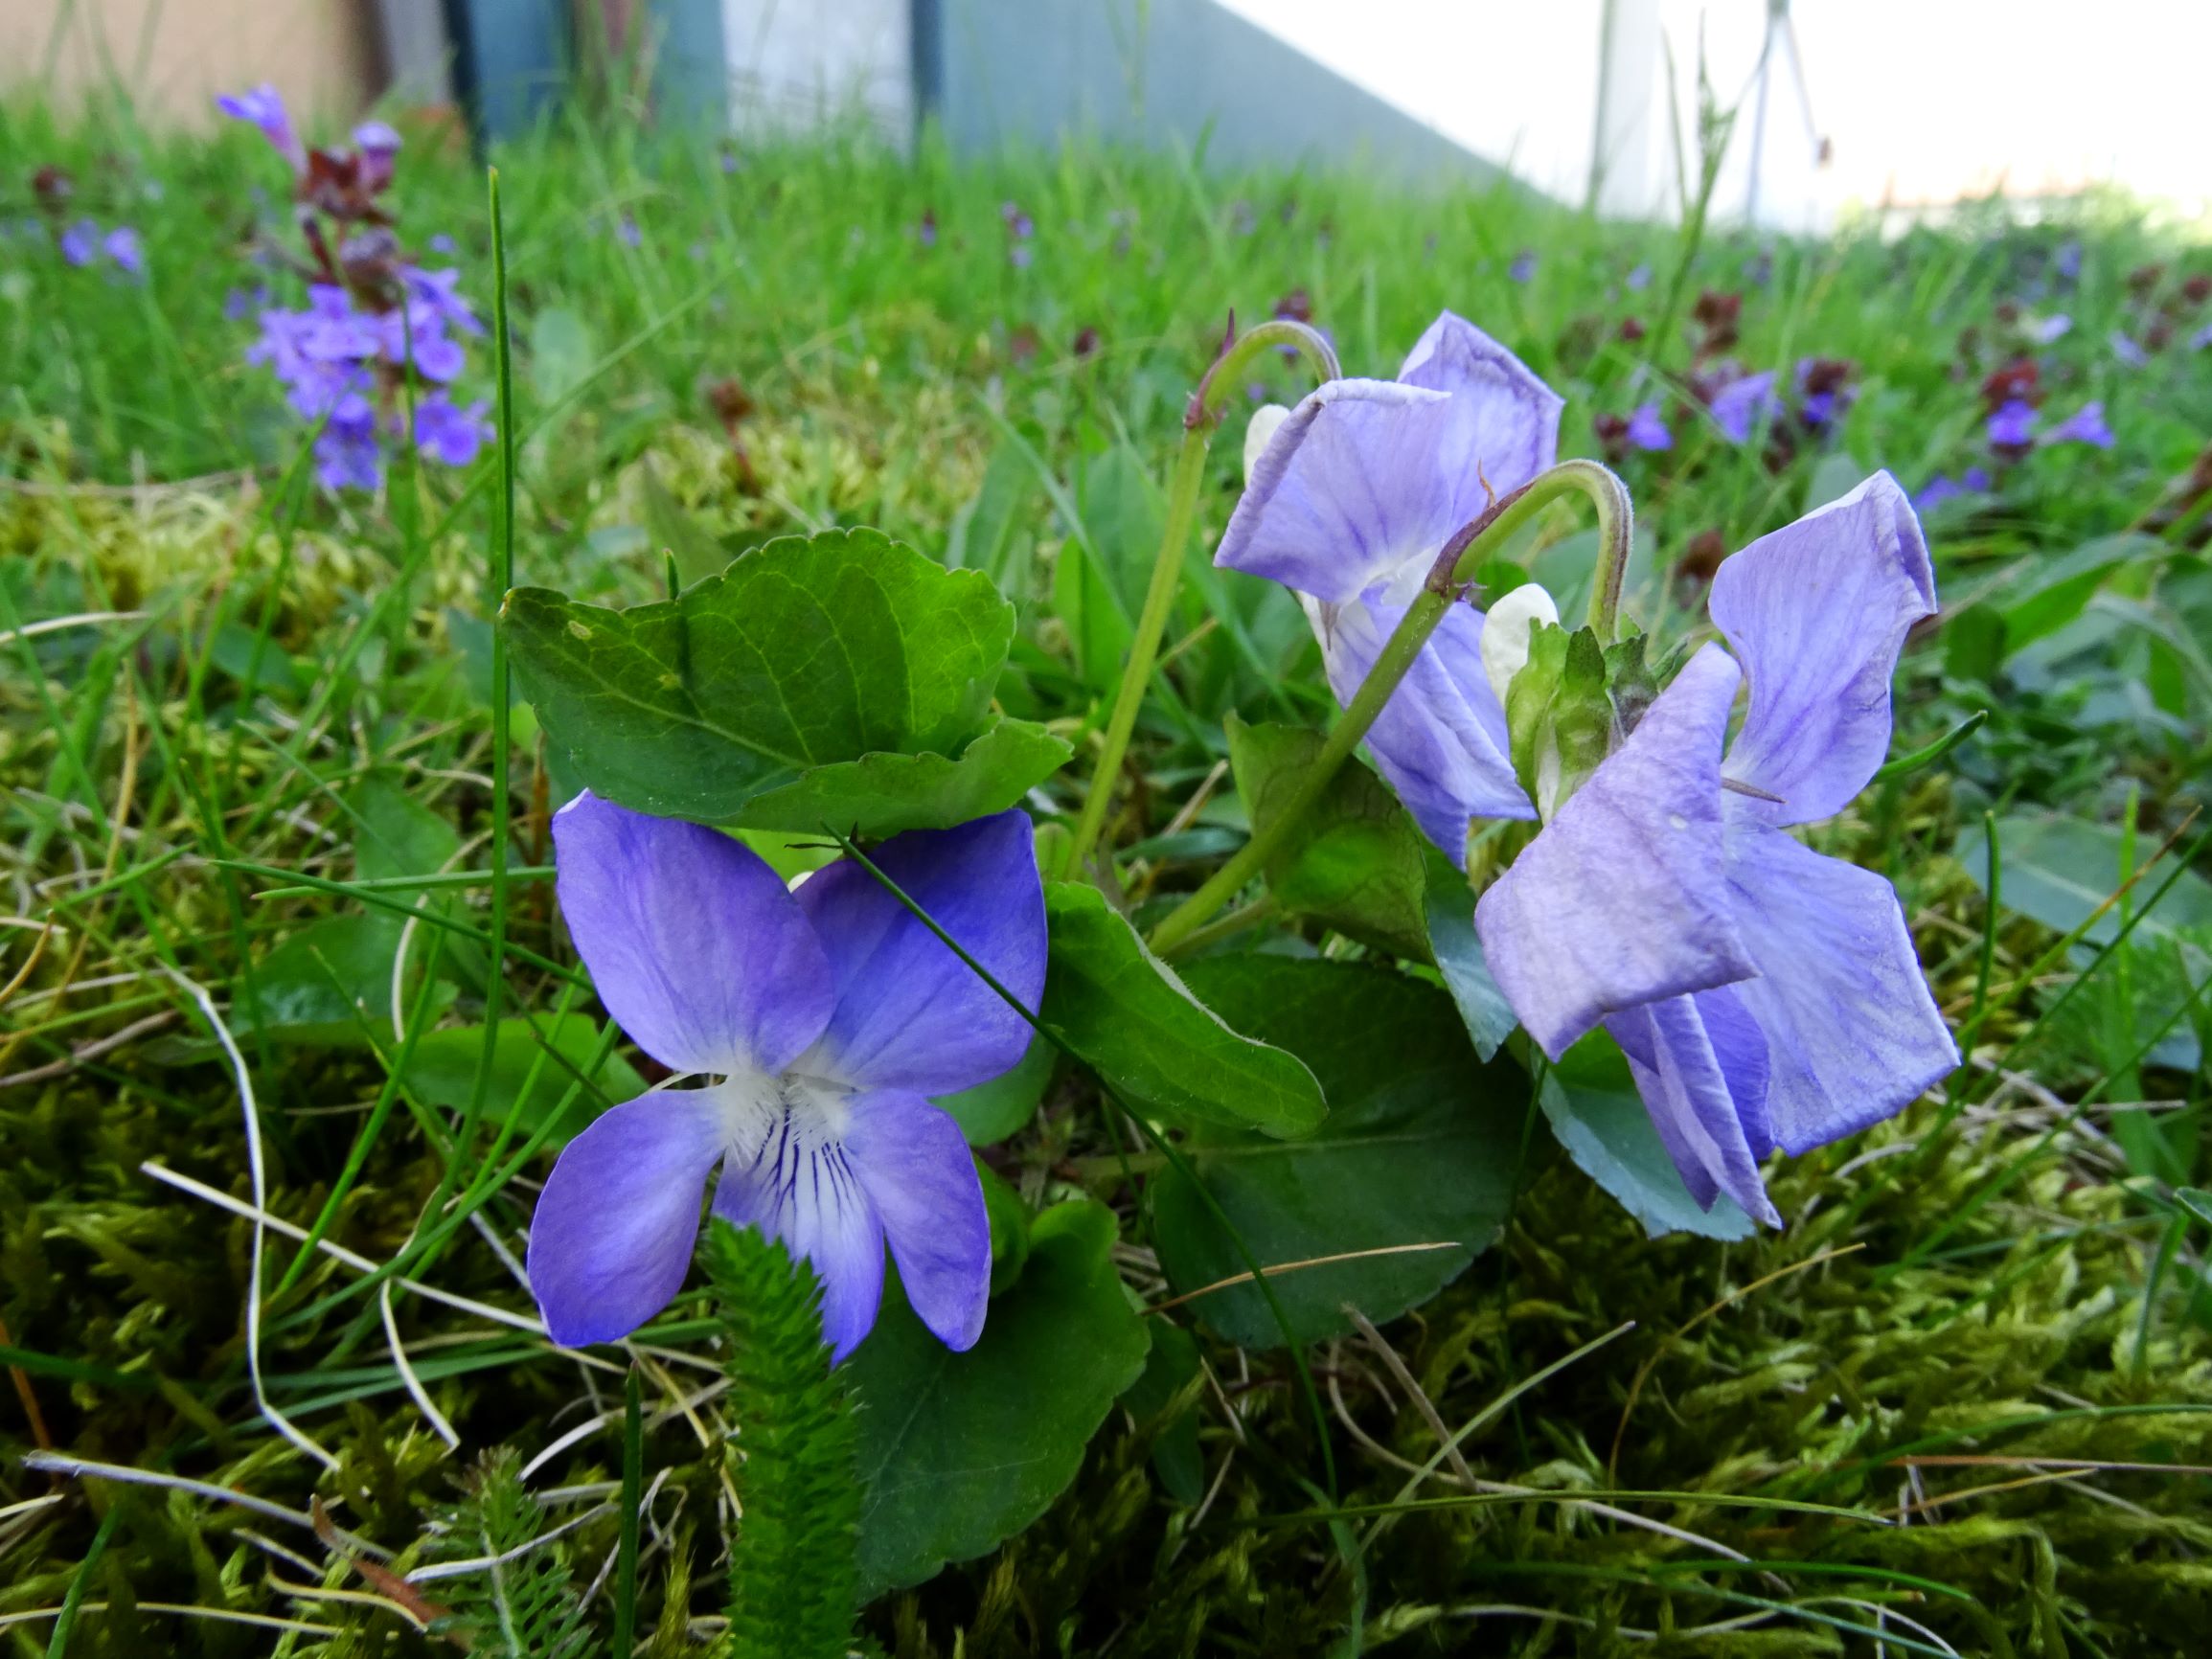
(1350, 498)
(264, 107)
(2013, 427)
(828, 1015)
(1647, 429)
(1765, 995)
(2085, 425)
(1745, 403)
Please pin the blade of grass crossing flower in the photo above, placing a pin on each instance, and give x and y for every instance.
(502, 578)
(1167, 1150)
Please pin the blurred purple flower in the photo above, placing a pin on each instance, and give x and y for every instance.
(127, 250)
(626, 233)
(264, 107)
(347, 455)
(2126, 350)
(829, 1017)
(449, 434)
(1648, 429)
(2013, 427)
(1974, 480)
(379, 147)
(240, 304)
(1523, 266)
(2202, 338)
(80, 243)
(436, 290)
(1743, 405)
(2044, 330)
(1765, 995)
(2067, 262)
(1639, 279)
(441, 243)
(2085, 425)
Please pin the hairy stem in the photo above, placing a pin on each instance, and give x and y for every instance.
(1455, 566)
(1199, 420)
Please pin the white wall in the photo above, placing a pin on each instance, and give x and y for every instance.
(1925, 100)
(793, 62)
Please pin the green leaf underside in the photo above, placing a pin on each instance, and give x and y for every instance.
(882, 794)
(811, 651)
(1419, 1149)
(959, 1451)
(1126, 1016)
(1355, 861)
(1595, 1111)
(2057, 870)
(1449, 913)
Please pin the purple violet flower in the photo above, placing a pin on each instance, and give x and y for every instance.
(1648, 429)
(2047, 330)
(2129, 353)
(2013, 427)
(628, 234)
(264, 107)
(829, 1017)
(1743, 405)
(1348, 504)
(123, 246)
(80, 243)
(2067, 262)
(1765, 995)
(2085, 425)
(448, 434)
(441, 243)
(1639, 279)
(2202, 338)
(1523, 267)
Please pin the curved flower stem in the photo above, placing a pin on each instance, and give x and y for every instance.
(1455, 566)
(1200, 419)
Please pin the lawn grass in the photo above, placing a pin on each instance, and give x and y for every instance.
(1962, 1402)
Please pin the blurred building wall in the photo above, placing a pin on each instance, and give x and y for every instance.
(173, 57)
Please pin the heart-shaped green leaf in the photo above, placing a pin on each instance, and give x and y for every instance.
(1122, 1009)
(1419, 1150)
(882, 794)
(959, 1451)
(1354, 861)
(810, 651)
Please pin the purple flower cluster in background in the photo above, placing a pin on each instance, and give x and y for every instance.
(373, 354)
(83, 243)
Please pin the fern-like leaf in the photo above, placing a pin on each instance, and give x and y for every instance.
(520, 1602)
(792, 1574)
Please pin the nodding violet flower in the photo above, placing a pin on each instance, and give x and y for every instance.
(1349, 499)
(1765, 995)
(828, 1015)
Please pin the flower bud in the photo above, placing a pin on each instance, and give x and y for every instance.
(1265, 419)
(1505, 632)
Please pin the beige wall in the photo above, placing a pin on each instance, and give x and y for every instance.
(174, 55)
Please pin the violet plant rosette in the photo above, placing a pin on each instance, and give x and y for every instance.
(1765, 995)
(828, 1017)
(1351, 497)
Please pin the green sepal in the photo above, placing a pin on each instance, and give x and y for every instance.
(1558, 714)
